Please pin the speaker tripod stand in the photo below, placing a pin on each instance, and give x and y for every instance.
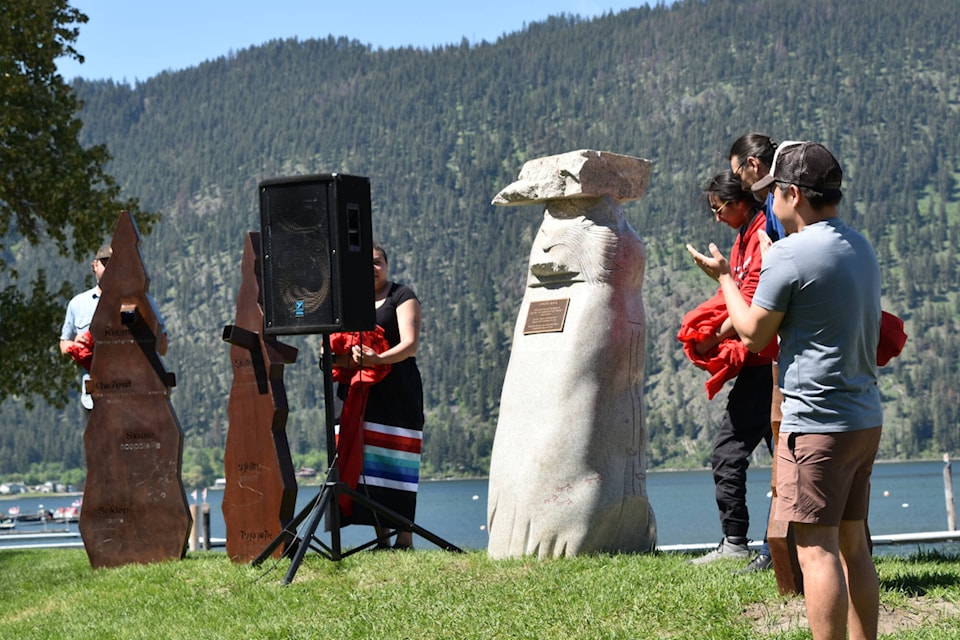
(326, 503)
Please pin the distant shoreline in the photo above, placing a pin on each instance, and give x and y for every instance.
(30, 495)
(37, 494)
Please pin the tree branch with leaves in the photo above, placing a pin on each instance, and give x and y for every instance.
(53, 192)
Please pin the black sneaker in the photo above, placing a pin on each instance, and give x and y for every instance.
(760, 562)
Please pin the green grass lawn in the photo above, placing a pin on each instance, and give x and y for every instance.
(435, 594)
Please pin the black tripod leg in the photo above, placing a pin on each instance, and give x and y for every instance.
(288, 533)
(306, 539)
(389, 514)
(331, 490)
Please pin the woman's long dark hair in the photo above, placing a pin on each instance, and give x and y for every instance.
(759, 145)
(727, 188)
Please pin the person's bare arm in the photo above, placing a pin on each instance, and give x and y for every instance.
(755, 325)
(408, 320)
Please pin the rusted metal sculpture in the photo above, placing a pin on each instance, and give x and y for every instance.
(134, 506)
(783, 547)
(261, 492)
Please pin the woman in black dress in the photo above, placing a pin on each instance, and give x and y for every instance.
(393, 420)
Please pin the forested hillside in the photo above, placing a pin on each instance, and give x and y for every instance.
(440, 132)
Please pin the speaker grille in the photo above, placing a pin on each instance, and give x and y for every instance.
(316, 230)
(300, 251)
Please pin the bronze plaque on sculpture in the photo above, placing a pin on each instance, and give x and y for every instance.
(261, 492)
(546, 316)
(134, 505)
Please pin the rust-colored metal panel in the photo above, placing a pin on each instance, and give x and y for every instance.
(134, 505)
(783, 548)
(261, 491)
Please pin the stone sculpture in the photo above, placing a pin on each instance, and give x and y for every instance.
(568, 468)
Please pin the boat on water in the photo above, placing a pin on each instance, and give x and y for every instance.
(47, 528)
(66, 514)
(63, 513)
(41, 515)
(39, 523)
(10, 530)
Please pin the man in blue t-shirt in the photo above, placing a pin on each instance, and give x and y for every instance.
(819, 290)
(75, 333)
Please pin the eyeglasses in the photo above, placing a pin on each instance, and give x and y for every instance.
(103, 261)
(718, 210)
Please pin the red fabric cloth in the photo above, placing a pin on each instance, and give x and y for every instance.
(724, 361)
(731, 355)
(728, 358)
(892, 338)
(350, 441)
(81, 351)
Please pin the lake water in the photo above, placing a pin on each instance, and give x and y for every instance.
(907, 497)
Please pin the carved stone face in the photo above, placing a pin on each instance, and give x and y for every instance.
(570, 249)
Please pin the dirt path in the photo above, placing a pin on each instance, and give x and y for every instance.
(783, 615)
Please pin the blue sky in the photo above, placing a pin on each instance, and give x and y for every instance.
(130, 40)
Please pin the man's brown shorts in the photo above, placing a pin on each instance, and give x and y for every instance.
(823, 478)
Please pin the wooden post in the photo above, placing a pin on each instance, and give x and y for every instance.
(948, 493)
(206, 525)
(194, 534)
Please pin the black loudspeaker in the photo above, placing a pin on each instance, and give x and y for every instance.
(317, 249)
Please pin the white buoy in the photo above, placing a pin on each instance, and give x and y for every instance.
(476, 497)
(905, 505)
(886, 494)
